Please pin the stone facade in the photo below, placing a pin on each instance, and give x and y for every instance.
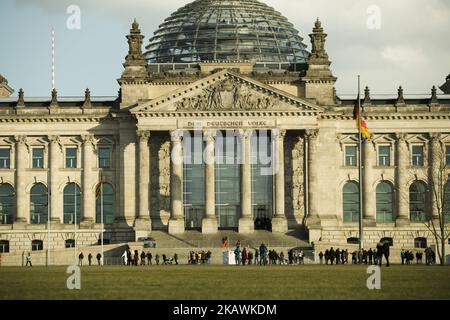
(311, 128)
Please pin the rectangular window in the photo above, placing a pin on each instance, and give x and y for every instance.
(104, 157)
(417, 155)
(350, 156)
(38, 157)
(71, 157)
(447, 155)
(5, 158)
(384, 156)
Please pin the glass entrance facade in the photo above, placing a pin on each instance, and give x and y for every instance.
(262, 179)
(228, 150)
(194, 181)
(228, 161)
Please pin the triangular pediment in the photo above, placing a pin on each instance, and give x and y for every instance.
(226, 91)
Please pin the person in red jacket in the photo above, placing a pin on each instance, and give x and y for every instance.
(244, 256)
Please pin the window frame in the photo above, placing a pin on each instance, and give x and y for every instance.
(350, 157)
(6, 161)
(33, 157)
(379, 155)
(422, 162)
(66, 157)
(37, 245)
(99, 158)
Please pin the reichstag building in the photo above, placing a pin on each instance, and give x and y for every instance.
(224, 120)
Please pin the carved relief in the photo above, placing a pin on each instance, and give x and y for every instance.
(227, 95)
(160, 180)
(294, 177)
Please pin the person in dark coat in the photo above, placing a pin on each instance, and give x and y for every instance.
(321, 257)
(80, 259)
(380, 253)
(386, 252)
(90, 259)
(142, 258)
(331, 253)
(370, 255)
(99, 258)
(149, 258)
(327, 256)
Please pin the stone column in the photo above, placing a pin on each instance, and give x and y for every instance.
(56, 213)
(176, 221)
(279, 221)
(369, 194)
(246, 223)
(402, 180)
(142, 222)
(313, 212)
(436, 165)
(88, 216)
(209, 222)
(22, 215)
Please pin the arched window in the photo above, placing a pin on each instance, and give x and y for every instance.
(104, 202)
(420, 242)
(7, 203)
(351, 202)
(353, 240)
(72, 203)
(417, 201)
(385, 202)
(38, 204)
(70, 243)
(446, 206)
(388, 240)
(4, 246)
(37, 245)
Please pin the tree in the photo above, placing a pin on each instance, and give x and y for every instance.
(439, 188)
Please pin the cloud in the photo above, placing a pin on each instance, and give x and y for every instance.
(411, 48)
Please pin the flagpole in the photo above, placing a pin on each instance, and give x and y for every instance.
(360, 173)
(48, 225)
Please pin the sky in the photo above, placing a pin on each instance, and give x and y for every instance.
(389, 43)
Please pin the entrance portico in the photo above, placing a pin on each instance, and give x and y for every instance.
(227, 162)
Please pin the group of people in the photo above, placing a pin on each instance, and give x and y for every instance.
(247, 256)
(130, 258)
(407, 256)
(199, 257)
(90, 257)
(371, 256)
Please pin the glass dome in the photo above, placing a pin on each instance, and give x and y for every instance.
(206, 30)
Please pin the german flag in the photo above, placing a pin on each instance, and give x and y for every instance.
(365, 133)
(99, 190)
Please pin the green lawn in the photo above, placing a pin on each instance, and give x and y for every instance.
(226, 282)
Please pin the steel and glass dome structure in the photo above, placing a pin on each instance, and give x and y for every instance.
(232, 30)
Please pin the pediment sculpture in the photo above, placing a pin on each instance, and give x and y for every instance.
(227, 95)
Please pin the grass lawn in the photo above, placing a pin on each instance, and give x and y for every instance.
(226, 282)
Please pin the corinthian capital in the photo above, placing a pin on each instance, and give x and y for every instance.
(176, 135)
(143, 135)
(312, 134)
(88, 138)
(20, 139)
(401, 137)
(53, 139)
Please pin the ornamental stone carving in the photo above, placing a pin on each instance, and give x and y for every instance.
(227, 95)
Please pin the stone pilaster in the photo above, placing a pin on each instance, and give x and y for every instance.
(313, 211)
(401, 173)
(88, 218)
(142, 222)
(369, 194)
(279, 221)
(246, 223)
(436, 165)
(176, 221)
(55, 212)
(209, 223)
(22, 215)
